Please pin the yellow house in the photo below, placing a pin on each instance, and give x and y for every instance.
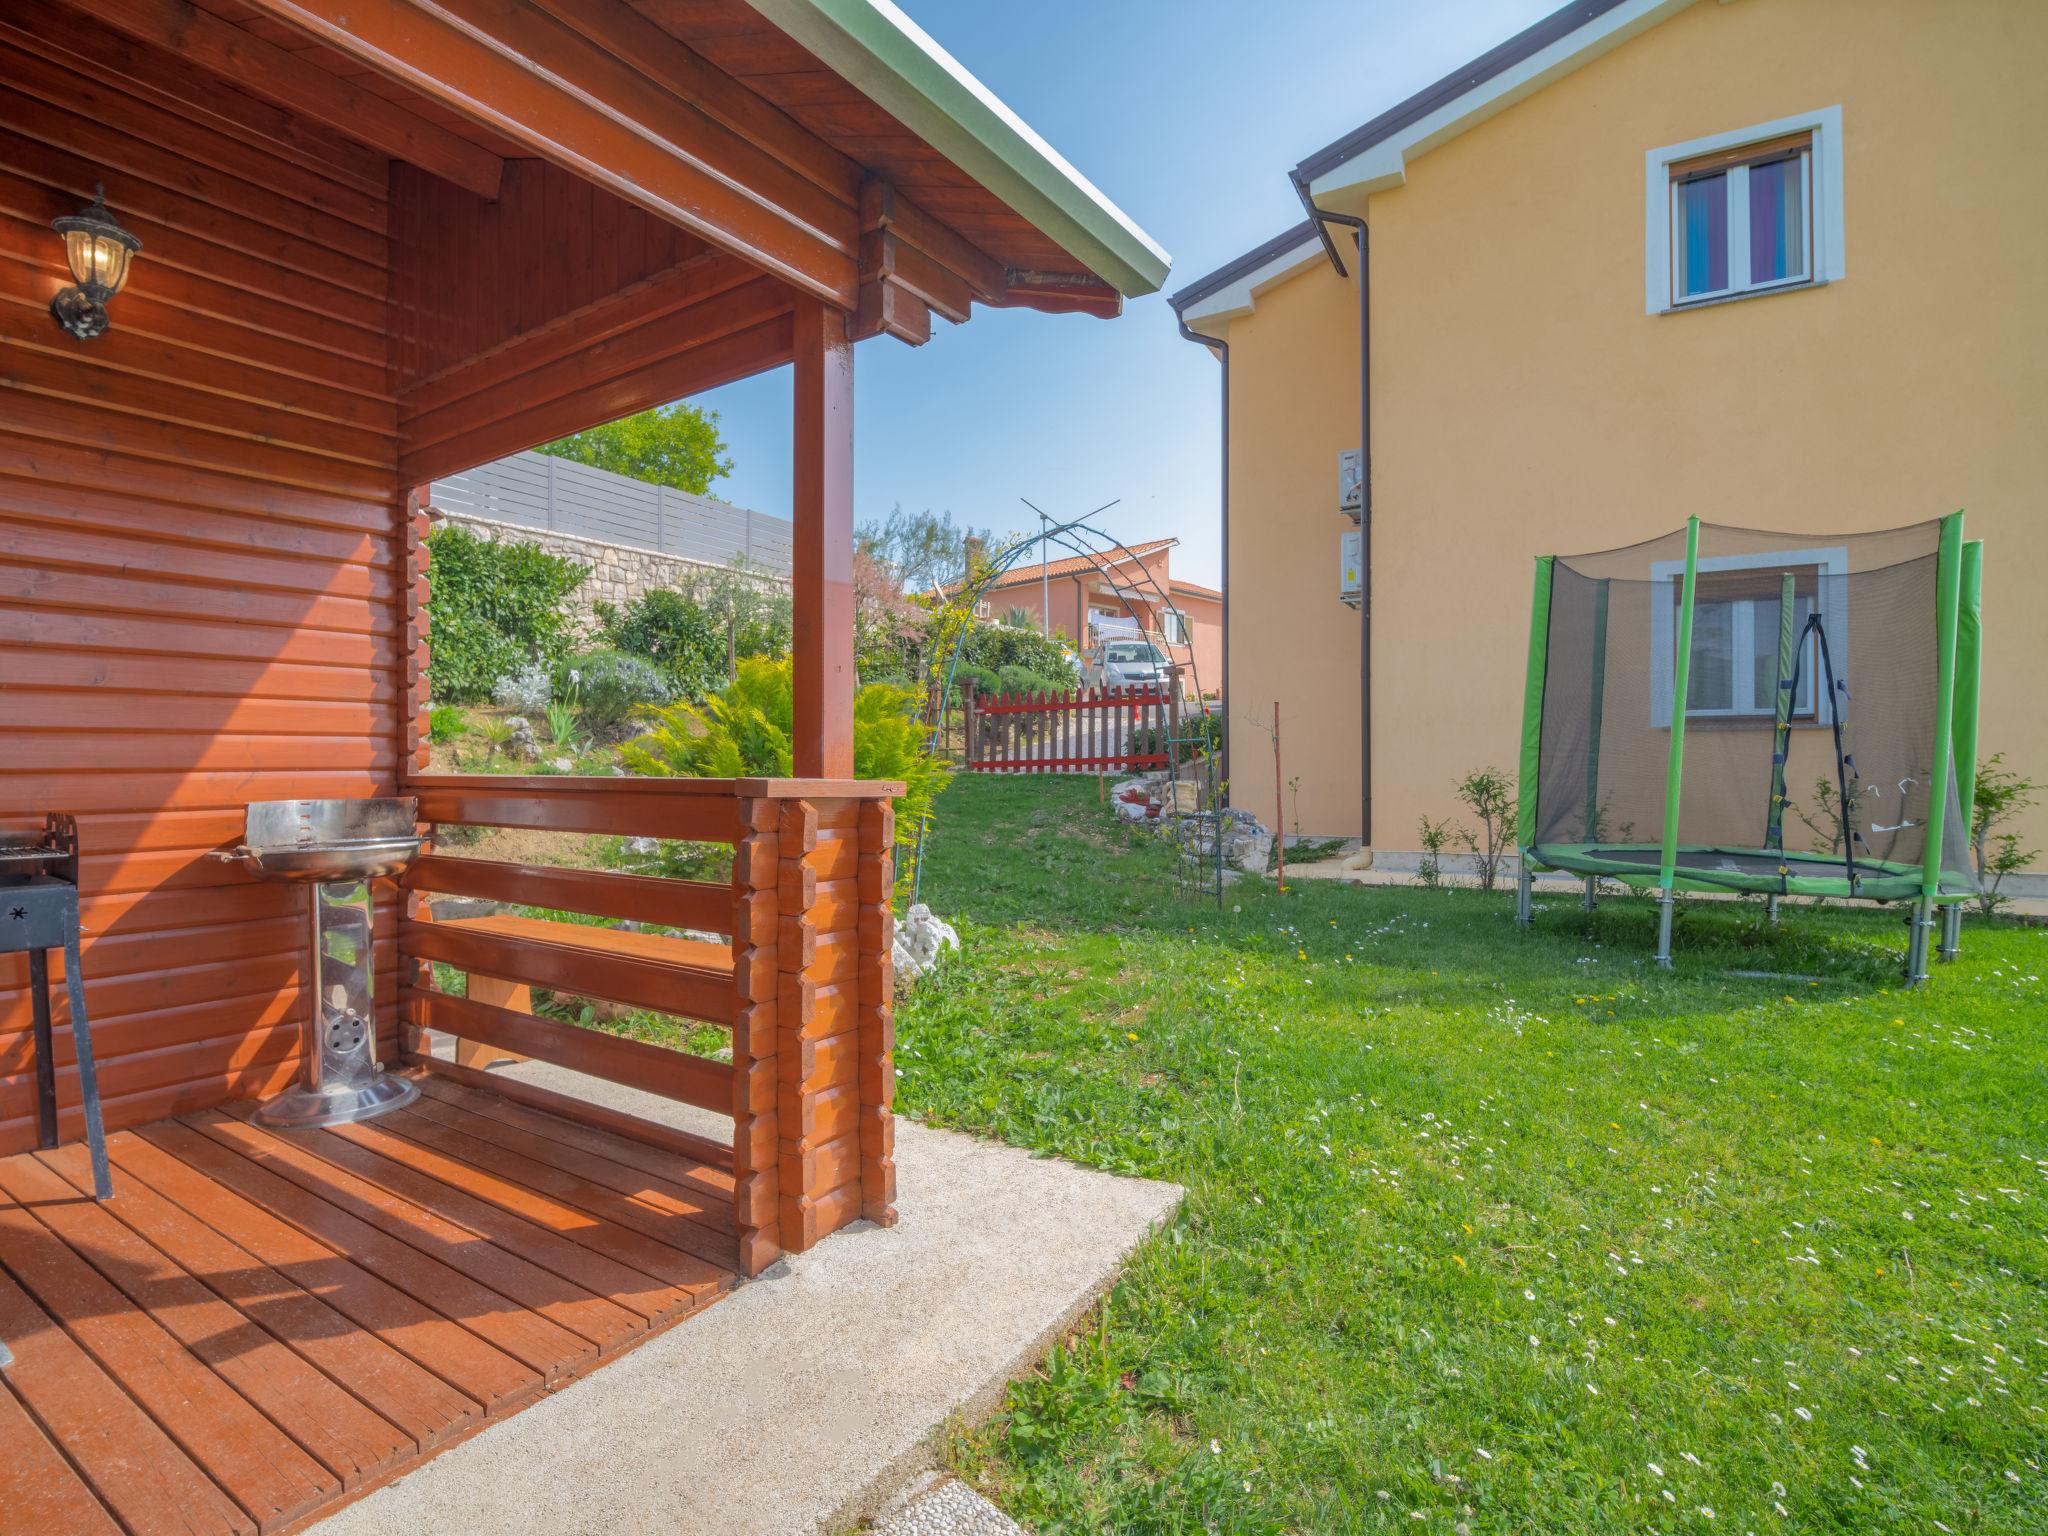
(1553, 323)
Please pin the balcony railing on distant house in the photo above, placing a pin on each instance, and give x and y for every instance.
(538, 490)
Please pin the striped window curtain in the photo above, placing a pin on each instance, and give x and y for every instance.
(1777, 236)
(1703, 235)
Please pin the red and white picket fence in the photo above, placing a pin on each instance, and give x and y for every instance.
(1084, 730)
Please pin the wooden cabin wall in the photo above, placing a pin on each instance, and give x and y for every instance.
(202, 560)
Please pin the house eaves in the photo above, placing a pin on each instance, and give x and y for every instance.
(896, 64)
(1341, 176)
(1210, 303)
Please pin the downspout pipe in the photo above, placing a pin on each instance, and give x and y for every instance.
(1324, 217)
(1222, 351)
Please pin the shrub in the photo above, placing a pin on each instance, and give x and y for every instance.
(1436, 836)
(673, 631)
(968, 678)
(445, 722)
(1015, 679)
(609, 688)
(494, 606)
(996, 646)
(528, 690)
(1488, 794)
(743, 731)
(2001, 795)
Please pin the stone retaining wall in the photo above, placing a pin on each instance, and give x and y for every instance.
(618, 572)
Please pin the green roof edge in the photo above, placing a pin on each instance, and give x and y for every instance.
(892, 60)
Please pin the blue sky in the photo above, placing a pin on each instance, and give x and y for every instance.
(1187, 114)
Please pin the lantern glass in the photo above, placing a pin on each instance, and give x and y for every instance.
(96, 259)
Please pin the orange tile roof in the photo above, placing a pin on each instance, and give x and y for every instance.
(1193, 589)
(1021, 575)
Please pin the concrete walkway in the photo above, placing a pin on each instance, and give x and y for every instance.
(801, 1403)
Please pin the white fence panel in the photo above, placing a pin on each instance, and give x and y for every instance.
(537, 490)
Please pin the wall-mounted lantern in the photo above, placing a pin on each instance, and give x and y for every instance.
(98, 250)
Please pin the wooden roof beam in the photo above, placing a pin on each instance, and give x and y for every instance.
(277, 76)
(556, 93)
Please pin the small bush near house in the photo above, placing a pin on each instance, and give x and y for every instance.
(996, 646)
(674, 632)
(527, 690)
(608, 689)
(494, 607)
(743, 731)
(1436, 837)
(1490, 795)
(2001, 795)
(1024, 680)
(445, 722)
(970, 679)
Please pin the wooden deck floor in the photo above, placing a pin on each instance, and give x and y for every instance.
(259, 1327)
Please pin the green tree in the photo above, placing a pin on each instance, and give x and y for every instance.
(920, 549)
(676, 445)
(496, 605)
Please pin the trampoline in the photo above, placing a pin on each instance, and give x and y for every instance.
(1784, 714)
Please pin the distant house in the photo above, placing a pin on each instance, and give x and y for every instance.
(1120, 592)
(1773, 263)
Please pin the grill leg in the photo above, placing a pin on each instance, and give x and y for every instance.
(1951, 930)
(1918, 927)
(1665, 902)
(88, 1074)
(46, 1055)
(1525, 881)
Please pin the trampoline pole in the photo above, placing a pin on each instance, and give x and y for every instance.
(1592, 882)
(1667, 874)
(1969, 668)
(1527, 786)
(1950, 593)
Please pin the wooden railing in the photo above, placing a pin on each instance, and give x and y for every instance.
(803, 982)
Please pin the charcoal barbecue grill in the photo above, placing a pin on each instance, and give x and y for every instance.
(334, 848)
(39, 913)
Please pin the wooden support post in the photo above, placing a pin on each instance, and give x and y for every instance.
(818, 1099)
(756, 924)
(821, 560)
(875, 1014)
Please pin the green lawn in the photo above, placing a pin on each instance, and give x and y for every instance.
(1501, 1232)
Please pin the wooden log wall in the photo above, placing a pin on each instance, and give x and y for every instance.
(203, 578)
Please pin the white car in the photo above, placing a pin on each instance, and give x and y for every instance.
(1127, 664)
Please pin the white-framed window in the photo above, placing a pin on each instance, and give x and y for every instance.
(1173, 626)
(1752, 211)
(1736, 635)
(984, 610)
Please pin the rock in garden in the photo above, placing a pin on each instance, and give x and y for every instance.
(522, 742)
(920, 939)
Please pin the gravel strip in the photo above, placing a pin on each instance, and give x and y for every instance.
(951, 1509)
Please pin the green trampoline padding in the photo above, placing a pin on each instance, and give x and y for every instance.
(1762, 870)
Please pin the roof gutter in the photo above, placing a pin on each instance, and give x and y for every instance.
(1323, 219)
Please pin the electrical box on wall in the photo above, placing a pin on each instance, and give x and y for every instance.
(1351, 484)
(1351, 568)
